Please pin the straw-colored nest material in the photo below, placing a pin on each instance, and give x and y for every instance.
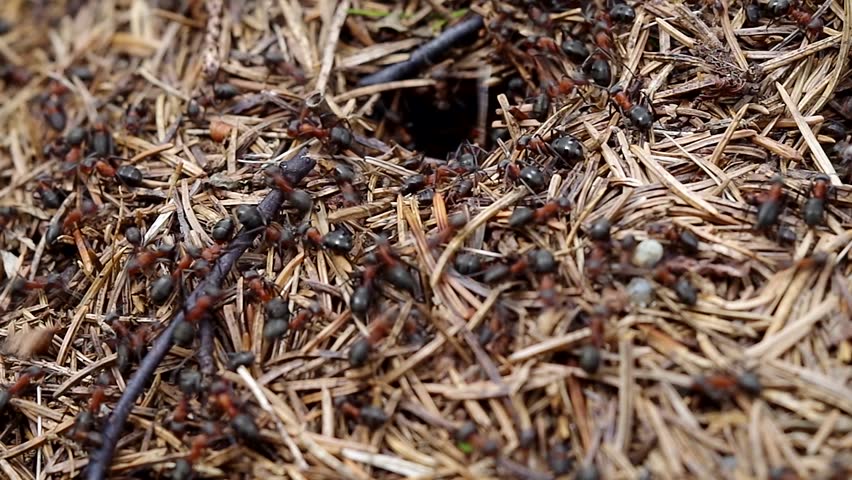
(733, 108)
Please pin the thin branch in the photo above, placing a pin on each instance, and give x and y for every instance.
(426, 54)
(294, 171)
(205, 349)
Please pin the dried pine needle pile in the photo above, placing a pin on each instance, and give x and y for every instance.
(247, 239)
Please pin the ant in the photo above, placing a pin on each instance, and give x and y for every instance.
(547, 290)
(129, 341)
(201, 442)
(681, 237)
(305, 315)
(7, 216)
(445, 234)
(362, 296)
(522, 216)
(299, 199)
(395, 271)
(468, 434)
(243, 424)
(597, 261)
(203, 305)
(50, 197)
(360, 350)
(262, 288)
(498, 334)
(813, 211)
(417, 182)
(683, 288)
(84, 430)
(770, 204)
(52, 106)
(277, 63)
(812, 24)
(537, 261)
(371, 416)
(135, 118)
(337, 136)
(26, 379)
(128, 174)
(15, 74)
(184, 332)
(144, 259)
(345, 177)
(530, 175)
(50, 281)
(721, 386)
(87, 208)
(640, 115)
(102, 142)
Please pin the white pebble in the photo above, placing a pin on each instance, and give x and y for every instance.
(641, 292)
(647, 254)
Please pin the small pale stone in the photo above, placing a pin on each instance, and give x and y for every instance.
(641, 292)
(648, 253)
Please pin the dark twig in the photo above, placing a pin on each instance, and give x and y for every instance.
(205, 349)
(294, 171)
(427, 54)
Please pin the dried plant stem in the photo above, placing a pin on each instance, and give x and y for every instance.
(211, 39)
(294, 170)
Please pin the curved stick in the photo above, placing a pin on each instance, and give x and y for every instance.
(427, 53)
(294, 171)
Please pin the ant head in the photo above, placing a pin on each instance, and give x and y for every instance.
(777, 180)
(457, 220)
(822, 178)
(251, 274)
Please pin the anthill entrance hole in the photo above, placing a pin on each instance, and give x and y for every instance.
(435, 122)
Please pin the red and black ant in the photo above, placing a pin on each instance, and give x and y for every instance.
(523, 216)
(721, 386)
(363, 295)
(199, 444)
(243, 424)
(394, 270)
(371, 416)
(85, 425)
(639, 114)
(299, 199)
(360, 350)
(305, 315)
(29, 375)
(810, 23)
(444, 235)
(135, 118)
(50, 196)
(337, 136)
(73, 218)
(770, 204)
(345, 177)
(813, 211)
(52, 106)
(145, 259)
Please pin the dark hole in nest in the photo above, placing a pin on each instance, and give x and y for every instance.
(436, 122)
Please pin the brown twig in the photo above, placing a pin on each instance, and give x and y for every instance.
(294, 170)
